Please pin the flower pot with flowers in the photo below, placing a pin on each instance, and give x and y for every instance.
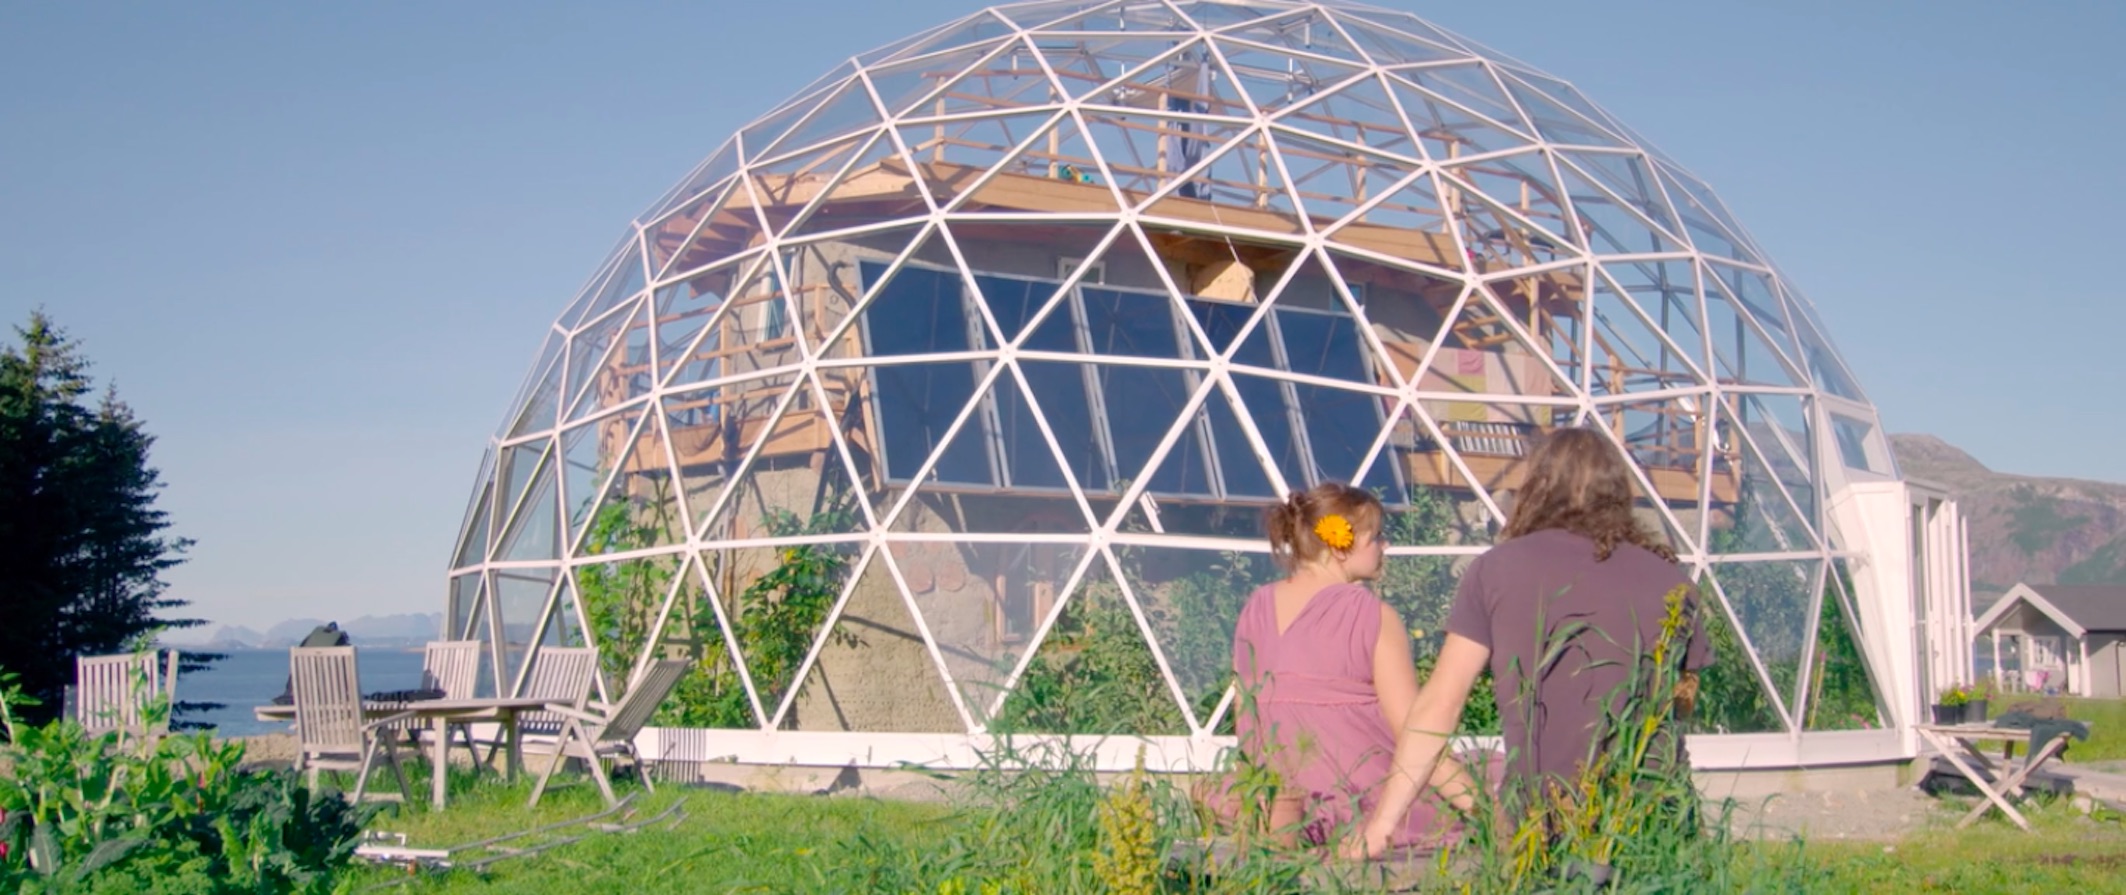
(1949, 706)
(1975, 702)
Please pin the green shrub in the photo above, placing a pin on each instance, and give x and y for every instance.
(175, 814)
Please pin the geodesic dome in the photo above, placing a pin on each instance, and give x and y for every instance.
(946, 396)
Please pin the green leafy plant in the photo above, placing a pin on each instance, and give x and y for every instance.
(104, 811)
(1953, 696)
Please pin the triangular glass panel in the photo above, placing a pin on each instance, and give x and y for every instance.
(1630, 352)
(1666, 441)
(1092, 671)
(902, 86)
(1193, 600)
(876, 672)
(1066, 15)
(689, 234)
(1667, 293)
(784, 187)
(466, 592)
(1010, 80)
(1132, 322)
(1140, 405)
(713, 430)
(780, 600)
(1212, 464)
(1751, 512)
(955, 159)
(1483, 354)
(1145, 153)
(1732, 697)
(1274, 79)
(473, 542)
(921, 308)
(538, 401)
(1242, 186)
(983, 603)
(710, 173)
(480, 626)
(1686, 191)
(912, 411)
(1755, 291)
(1706, 229)
(1071, 403)
(1016, 294)
(1225, 296)
(682, 311)
(623, 603)
(756, 140)
(1398, 21)
(521, 599)
(713, 692)
(1471, 86)
(1447, 131)
(1779, 424)
(848, 111)
(1841, 691)
(1522, 79)
(1608, 223)
(1309, 32)
(1273, 409)
(533, 534)
(1046, 167)
(1421, 587)
(564, 628)
(1557, 123)
(870, 188)
(1436, 485)
(590, 452)
(1774, 601)
(1410, 225)
(1740, 344)
(518, 464)
(798, 481)
(617, 282)
(594, 353)
(968, 460)
(1626, 176)
(1501, 237)
(1006, 430)
(1332, 180)
(1358, 112)
(639, 507)
(1390, 47)
(1825, 367)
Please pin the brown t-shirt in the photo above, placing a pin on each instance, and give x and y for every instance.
(1552, 575)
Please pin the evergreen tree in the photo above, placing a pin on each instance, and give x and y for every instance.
(82, 545)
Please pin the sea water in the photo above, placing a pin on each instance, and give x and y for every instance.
(250, 678)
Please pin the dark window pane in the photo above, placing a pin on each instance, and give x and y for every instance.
(1131, 323)
(1061, 390)
(1268, 406)
(1014, 301)
(1323, 345)
(918, 312)
(1141, 405)
(916, 405)
(1241, 472)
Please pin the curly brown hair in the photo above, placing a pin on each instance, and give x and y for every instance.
(1577, 481)
(1290, 523)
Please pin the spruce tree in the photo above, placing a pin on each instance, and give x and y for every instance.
(82, 544)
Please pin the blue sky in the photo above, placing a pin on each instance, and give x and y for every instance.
(315, 245)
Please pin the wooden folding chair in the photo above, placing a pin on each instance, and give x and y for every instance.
(453, 668)
(114, 693)
(331, 730)
(593, 736)
(560, 676)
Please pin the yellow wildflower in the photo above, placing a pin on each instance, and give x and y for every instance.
(1335, 531)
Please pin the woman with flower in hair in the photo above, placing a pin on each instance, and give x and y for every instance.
(1325, 676)
(1563, 611)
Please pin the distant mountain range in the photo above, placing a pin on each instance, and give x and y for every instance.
(2025, 529)
(407, 629)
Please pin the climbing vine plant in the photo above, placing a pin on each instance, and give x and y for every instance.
(774, 614)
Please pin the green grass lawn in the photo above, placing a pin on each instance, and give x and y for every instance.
(749, 842)
(2107, 724)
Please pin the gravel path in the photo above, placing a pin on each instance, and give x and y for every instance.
(1875, 814)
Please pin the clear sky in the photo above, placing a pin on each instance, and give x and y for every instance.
(315, 245)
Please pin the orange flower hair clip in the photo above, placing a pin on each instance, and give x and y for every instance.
(1335, 531)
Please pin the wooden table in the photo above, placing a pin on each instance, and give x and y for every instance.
(1959, 744)
(446, 712)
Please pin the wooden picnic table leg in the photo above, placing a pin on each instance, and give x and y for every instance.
(1977, 779)
(2013, 783)
(441, 759)
(516, 744)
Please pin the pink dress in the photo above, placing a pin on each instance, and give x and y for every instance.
(1316, 710)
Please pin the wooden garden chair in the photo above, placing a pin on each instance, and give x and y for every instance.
(114, 693)
(610, 733)
(332, 730)
(451, 667)
(560, 676)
